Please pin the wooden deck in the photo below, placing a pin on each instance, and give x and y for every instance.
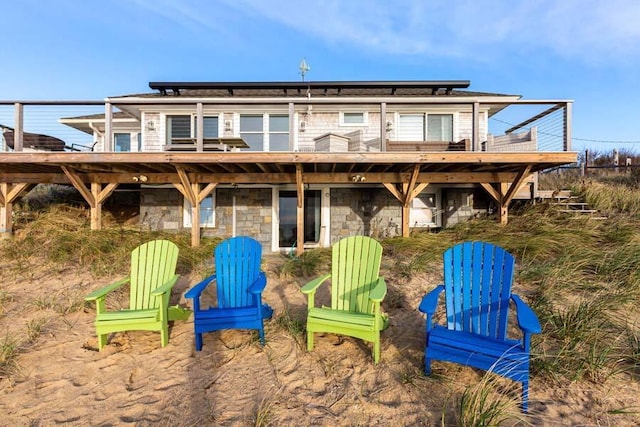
(196, 174)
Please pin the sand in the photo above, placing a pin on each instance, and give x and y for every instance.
(59, 377)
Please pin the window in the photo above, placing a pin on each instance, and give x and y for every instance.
(251, 131)
(276, 134)
(279, 133)
(353, 119)
(207, 212)
(437, 127)
(185, 126)
(424, 211)
(122, 142)
(440, 127)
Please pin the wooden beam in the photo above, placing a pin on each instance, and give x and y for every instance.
(96, 209)
(492, 192)
(79, 185)
(299, 211)
(195, 216)
(202, 194)
(8, 194)
(517, 183)
(186, 185)
(419, 188)
(268, 178)
(394, 190)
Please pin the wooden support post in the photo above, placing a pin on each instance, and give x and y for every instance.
(383, 127)
(8, 194)
(504, 204)
(190, 192)
(299, 211)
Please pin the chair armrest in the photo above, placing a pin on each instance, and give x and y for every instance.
(166, 287)
(429, 302)
(527, 319)
(313, 285)
(258, 285)
(197, 289)
(379, 290)
(100, 293)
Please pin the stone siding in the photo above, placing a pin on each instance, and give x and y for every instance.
(364, 211)
(162, 209)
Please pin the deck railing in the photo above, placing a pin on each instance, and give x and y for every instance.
(103, 126)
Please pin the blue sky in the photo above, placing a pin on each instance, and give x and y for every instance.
(582, 50)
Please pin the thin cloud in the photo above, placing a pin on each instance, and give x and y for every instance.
(585, 30)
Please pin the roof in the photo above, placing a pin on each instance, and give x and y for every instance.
(404, 88)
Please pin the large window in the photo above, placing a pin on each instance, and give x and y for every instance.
(279, 133)
(185, 127)
(207, 212)
(436, 127)
(439, 127)
(251, 131)
(256, 135)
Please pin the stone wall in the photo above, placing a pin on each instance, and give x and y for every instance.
(364, 211)
(253, 213)
(162, 209)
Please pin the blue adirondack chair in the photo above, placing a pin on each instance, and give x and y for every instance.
(239, 286)
(477, 287)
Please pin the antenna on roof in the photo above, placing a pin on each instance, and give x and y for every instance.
(303, 67)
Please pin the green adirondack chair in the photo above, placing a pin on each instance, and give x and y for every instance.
(356, 293)
(153, 266)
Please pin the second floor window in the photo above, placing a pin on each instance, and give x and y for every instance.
(185, 127)
(122, 142)
(425, 127)
(258, 130)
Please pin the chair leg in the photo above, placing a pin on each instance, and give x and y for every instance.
(309, 341)
(198, 342)
(102, 341)
(524, 406)
(427, 365)
(164, 335)
(376, 351)
(261, 333)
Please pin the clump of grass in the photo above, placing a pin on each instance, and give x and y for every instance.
(5, 297)
(34, 328)
(294, 327)
(483, 405)
(263, 414)
(9, 348)
(308, 264)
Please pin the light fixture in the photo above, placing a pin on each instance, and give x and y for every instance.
(228, 125)
(151, 125)
(358, 178)
(389, 126)
(140, 178)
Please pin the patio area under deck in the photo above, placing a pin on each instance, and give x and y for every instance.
(196, 174)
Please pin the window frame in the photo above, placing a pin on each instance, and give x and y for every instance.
(365, 118)
(186, 212)
(193, 120)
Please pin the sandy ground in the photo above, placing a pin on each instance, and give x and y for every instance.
(59, 377)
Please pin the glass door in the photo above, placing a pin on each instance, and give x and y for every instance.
(287, 210)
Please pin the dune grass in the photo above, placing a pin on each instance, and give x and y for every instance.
(581, 276)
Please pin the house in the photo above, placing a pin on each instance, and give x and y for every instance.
(298, 164)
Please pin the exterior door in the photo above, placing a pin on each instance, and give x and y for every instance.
(287, 213)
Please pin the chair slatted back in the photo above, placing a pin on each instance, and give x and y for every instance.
(355, 267)
(152, 265)
(477, 280)
(237, 262)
